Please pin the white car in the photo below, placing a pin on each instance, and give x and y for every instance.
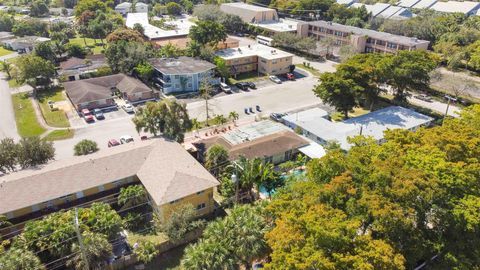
(128, 108)
(275, 79)
(126, 139)
(225, 88)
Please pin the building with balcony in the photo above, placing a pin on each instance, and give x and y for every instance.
(170, 175)
(362, 40)
(182, 74)
(256, 58)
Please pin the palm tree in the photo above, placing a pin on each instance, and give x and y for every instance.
(233, 115)
(96, 249)
(216, 158)
(7, 68)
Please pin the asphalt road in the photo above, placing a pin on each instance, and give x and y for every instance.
(8, 128)
(289, 95)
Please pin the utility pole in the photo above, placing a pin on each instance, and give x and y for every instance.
(80, 241)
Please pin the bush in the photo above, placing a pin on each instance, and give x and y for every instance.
(85, 147)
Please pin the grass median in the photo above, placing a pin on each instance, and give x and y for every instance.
(61, 134)
(27, 124)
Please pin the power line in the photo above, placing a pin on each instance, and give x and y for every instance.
(113, 200)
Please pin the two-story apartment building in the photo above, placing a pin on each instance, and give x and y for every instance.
(170, 175)
(259, 58)
(126, 7)
(362, 40)
(182, 74)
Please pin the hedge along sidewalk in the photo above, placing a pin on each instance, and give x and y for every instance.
(25, 116)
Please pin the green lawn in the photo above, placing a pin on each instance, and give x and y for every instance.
(247, 77)
(61, 134)
(96, 47)
(312, 70)
(25, 117)
(53, 118)
(4, 51)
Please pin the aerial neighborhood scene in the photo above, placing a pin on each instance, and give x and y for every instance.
(222, 135)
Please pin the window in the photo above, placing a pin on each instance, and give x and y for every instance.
(263, 61)
(269, 159)
(368, 49)
(201, 206)
(274, 61)
(200, 192)
(391, 45)
(338, 42)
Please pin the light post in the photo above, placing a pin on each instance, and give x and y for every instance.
(450, 99)
(235, 182)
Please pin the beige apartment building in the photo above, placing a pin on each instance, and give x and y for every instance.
(362, 40)
(250, 13)
(257, 57)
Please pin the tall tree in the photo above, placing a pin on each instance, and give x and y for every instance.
(228, 243)
(208, 33)
(337, 91)
(170, 118)
(34, 151)
(216, 159)
(181, 221)
(123, 56)
(96, 249)
(31, 66)
(8, 155)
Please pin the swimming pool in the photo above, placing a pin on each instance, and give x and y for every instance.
(284, 177)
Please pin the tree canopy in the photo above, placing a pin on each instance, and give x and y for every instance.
(208, 33)
(389, 206)
(168, 117)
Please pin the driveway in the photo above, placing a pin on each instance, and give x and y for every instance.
(8, 127)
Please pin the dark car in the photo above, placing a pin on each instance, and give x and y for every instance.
(98, 114)
(424, 97)
(251, 85)
(113, 142)
(246, 111)
(242, 85)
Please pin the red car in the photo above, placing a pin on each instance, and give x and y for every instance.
(87, 115)
(290, 76)
(113, 142)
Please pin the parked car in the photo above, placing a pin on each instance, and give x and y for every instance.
(225, 88)
(251, 85)
(251, 110)
(276, 117)
(87, 115)
(257, 266)
(113, 142)
(126, 139)
(128, 108)
(257, 107)
(290, 76)
(242, 85)
(275, 79)
(424, 97)
(246, 111)
(98, 114)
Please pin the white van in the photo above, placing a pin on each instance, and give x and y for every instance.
(225, 88)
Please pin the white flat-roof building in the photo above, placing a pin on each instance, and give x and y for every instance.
(395, 12)
(466, 7)
(127, 7)
(346, 2)
(282, 25)
(425, 4)
(375, 9)
(181, 26)
(407, 3)
(317, 127)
